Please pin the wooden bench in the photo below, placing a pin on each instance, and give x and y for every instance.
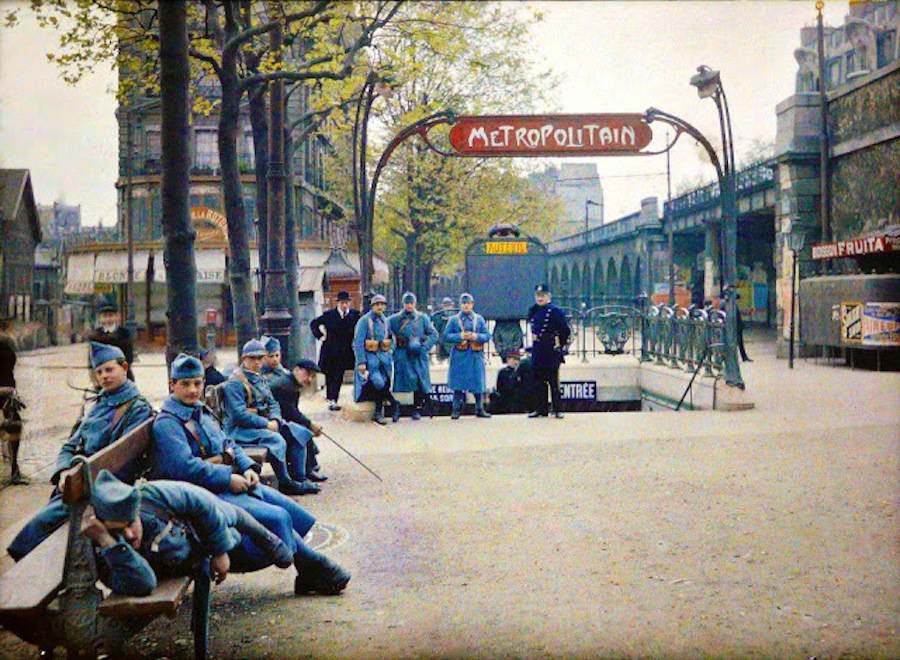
(50, 597)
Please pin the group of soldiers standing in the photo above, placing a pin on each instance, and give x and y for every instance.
(390, 354)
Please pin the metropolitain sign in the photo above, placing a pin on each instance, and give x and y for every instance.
(550, 135)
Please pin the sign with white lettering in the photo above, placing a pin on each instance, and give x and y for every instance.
(856, 247)
(550, 135)
(851, 322)
(578, 390)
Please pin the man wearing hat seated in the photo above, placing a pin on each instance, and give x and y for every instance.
(272, 367)
(253, 417)
(118, 409)
(508, 395)
(336, 354)
(165, 528)
(110, 332)
(186, 436)
(373, 351)
(468, 332)
(286, 390)
(415, 335)
(550, 331)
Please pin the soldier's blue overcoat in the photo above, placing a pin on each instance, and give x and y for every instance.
(466, 366)
(411, 370)
(178, 456)
(166, 547)
(375, 361)
(246, 427)
(272, 373)
(93, 434)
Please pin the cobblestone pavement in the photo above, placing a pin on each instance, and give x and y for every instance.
(766, 533)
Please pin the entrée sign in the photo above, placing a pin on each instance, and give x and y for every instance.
(550, 135)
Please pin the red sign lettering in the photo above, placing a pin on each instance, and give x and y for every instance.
(550, 135)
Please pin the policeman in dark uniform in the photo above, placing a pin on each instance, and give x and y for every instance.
(111, 332)
(550, 332)
(336, 354)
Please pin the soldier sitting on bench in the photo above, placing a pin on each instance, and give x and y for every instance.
(185, 433)
(252, 417)
(272, 367)
(118, 409)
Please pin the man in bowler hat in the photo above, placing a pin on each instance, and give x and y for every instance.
(335, 328)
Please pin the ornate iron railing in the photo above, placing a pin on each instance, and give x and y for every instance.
(683, 338)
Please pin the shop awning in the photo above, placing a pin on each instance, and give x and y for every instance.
(310, 279)
(80, 274)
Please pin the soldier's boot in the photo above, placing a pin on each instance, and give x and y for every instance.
(265, 540)
(416, 415)
(378, 417)
(479, 407)
(317, 573)
(395, 411)
(455, 412)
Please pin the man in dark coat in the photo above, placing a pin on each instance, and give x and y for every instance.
(336, 354)
(286, 390)
(550, 331)
(508, 395)
(10, 403)
(111, 332)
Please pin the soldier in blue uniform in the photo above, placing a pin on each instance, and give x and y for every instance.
(550, 332)
(372, 349)
(252, 417)
(185, 434)
(272, 367)
(119, 407)
(468, 332)
(439, 319)
(336, 354)
(415, 335)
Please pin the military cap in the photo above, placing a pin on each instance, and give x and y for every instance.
(446, 300)
(271, 343)
(343, 295)
(114, 500)
(309, 365)
(378, 298)
(254, 348)
(101, 353)
(513, 354)
(408, 297)
(186, 366)
(542, 288)
(466, 297)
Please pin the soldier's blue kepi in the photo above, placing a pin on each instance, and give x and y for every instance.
(408, 297)
(378, 298)
(542, 288)
(101, 353)
(272, 344)
(113, 500)
(254, 348)
(343, 295)
(186, 366)
(466, 297)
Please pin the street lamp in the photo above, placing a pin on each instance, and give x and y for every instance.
(795, 242)
(587, 203)
(374, 85)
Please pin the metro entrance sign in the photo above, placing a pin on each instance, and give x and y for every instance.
(550, 135)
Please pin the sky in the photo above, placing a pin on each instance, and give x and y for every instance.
(611, 56)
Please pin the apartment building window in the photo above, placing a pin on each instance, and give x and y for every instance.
(154, 145)
(885, 47)
(834, 73)
(849, 62)
(837, 37)
(206, 153)
(246, 157)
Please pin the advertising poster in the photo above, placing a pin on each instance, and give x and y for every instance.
(880, 324)
(851, 322)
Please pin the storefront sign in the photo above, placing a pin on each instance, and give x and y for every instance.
(550, 135)
(856, 247)
(881, 324)
(851, 322)
(506, 247)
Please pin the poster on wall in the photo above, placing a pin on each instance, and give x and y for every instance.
(851, 322)
(880, 324)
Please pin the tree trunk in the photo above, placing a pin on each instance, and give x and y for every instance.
(409, 266)
(178, 254)
(260, 127)
(245, 321)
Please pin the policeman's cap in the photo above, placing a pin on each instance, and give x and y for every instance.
(108, 307)
(542, 288)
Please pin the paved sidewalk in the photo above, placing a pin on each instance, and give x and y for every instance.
(769, 533)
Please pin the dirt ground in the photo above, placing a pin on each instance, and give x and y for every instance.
(768, 533)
